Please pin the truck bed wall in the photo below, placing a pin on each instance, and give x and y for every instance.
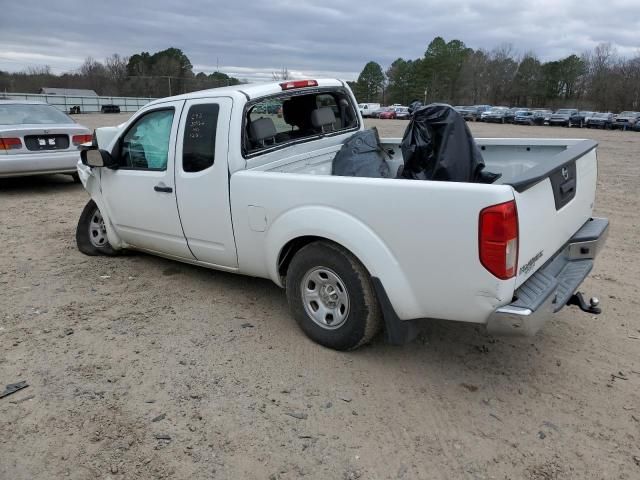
(510, 157)
(419, 238)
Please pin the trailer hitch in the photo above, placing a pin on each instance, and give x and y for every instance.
(591, 307)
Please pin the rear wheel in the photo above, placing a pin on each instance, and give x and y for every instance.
(331, 296)
(91, 234)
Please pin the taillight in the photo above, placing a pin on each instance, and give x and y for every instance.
(78, 139)
(10, 143)
(298, 84)
(498, 239)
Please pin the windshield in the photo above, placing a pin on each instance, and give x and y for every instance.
(565, 111)
(32, 114)
(498, 109)
(627, 114)
(601, 115)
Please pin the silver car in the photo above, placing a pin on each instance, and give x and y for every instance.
(36, 138)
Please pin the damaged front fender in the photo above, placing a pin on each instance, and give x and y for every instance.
(90, 178)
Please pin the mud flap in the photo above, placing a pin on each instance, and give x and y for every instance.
(397, 332)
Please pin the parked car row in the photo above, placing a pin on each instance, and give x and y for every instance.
(566, 117)
(375, 110)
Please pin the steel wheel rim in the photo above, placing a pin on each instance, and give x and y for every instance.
(97, 230)
(325, 298)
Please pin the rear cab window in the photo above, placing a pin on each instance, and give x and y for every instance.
(293, 117)
(199, 143)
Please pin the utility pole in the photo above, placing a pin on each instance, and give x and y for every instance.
(169, 78)
(425, 95)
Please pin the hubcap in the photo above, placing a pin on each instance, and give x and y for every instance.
(325, 298)
(97, 230)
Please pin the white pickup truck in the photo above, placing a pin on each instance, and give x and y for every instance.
(239, 179)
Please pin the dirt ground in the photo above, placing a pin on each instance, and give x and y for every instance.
(140, 367)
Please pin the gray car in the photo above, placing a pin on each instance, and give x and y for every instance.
(37, 139)
(562, 117)
(626, 120)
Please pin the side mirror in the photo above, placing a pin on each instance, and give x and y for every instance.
(95, 157)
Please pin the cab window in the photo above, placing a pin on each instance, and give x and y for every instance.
(199, 143)
(145, 146)
(291, 118)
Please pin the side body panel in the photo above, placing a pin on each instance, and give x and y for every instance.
(419, 238)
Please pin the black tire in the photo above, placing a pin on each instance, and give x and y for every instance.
(83, 233)
(76, 177)
(364, 317)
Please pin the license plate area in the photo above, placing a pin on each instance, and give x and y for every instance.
(46, 142)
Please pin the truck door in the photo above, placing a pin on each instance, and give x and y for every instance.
(202, 181)
(140, 194)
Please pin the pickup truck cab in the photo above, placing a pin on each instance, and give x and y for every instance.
(210, 178)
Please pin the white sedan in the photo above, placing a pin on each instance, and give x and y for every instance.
(36, 139)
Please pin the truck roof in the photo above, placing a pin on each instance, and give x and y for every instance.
(250, 90)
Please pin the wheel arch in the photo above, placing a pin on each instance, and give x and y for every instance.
(302, 226)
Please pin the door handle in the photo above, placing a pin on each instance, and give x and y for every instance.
(163, 188)
(568, 187)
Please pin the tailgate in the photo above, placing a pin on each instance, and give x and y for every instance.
(554, 200)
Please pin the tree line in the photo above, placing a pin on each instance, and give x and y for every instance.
(161, 74)
(453, 73)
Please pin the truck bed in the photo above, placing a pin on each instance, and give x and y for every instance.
(512, 157)
(421, 237)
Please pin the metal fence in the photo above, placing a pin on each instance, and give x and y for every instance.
(86, 104)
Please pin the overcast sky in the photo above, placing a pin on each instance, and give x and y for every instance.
(312, 39)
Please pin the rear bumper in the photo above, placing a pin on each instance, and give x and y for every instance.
(38, 163)
(550, 288)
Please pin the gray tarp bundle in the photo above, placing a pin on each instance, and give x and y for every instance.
(438, 145)
(361, 156)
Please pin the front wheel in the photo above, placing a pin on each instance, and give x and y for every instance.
(91, 234)
(331, 296)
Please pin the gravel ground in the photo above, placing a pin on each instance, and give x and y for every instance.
(140, 367)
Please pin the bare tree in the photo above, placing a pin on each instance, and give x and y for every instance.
(38, 70)
(116, 67)
(283, 74)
